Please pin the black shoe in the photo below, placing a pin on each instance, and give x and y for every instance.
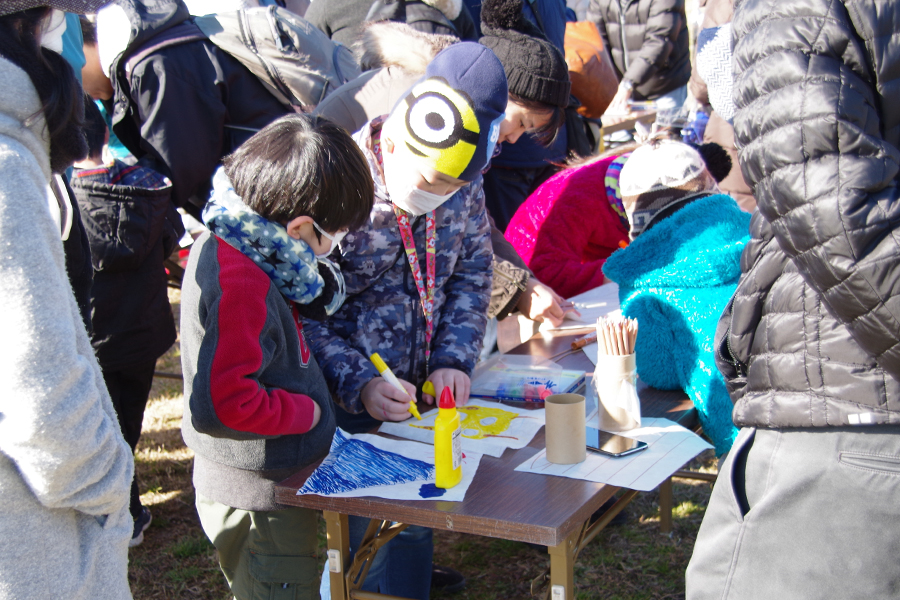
(447, 580)
(140, 525)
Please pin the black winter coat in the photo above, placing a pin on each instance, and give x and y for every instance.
(647, 41)
(131, 232)
(813, 335)
(184, 106)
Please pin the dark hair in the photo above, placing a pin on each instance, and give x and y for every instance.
(301, 165)
(94, 128)
(545, 135)
(53, 79)
(88, 31)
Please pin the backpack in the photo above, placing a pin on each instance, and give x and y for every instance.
(294, 60)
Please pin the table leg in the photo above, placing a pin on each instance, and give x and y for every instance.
(665, 506)
(338, 532)
(562, 564)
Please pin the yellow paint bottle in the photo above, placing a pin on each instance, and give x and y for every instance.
(447, 443)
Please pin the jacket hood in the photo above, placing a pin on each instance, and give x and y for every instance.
(389, 44)
(698, 246)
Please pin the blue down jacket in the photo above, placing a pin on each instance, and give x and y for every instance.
(383, 313)
(675, 279)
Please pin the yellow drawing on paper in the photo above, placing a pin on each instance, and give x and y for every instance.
(479, 422)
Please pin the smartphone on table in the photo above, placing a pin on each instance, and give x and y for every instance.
(611, 444)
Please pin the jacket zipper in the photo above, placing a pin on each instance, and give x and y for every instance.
(738, 365)
(519, 285)
(622, 36)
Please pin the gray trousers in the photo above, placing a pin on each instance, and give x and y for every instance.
(803, 513)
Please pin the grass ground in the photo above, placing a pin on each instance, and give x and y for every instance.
(631, 562)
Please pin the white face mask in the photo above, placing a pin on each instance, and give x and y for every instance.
(335, 239)
(415, 201)
(405, 195)
(52, 29)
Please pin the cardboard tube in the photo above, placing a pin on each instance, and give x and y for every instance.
(608, 376)
(565, 428)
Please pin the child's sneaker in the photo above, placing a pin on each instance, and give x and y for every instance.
(140, 525)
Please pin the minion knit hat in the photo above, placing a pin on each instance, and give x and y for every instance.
(661, 174)
(450, 119)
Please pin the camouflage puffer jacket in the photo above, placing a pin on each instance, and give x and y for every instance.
(383, 313)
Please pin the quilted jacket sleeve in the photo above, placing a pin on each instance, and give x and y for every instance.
(817, 127)
(665, 21)
(597, 12)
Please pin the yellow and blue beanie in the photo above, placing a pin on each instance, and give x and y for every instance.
(451, 117)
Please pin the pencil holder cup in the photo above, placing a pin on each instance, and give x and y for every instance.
(615, 379)
(565, 428)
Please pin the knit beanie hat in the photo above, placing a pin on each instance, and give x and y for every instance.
(661, 174)
(535, 68)
(450, 119)
(7, 7)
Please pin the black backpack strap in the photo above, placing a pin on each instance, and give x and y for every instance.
(184, 32)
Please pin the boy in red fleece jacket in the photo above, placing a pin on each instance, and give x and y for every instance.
(257, 407)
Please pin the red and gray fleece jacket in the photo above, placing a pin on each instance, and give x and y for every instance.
(250, 380)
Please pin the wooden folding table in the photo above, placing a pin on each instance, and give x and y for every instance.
(500, 503)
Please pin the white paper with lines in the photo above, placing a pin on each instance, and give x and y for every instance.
(670, 447)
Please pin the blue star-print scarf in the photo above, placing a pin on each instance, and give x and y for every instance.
(291, 264)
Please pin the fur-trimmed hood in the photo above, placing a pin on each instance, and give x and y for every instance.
(389, 44)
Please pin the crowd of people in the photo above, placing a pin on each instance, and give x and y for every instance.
(427, 181)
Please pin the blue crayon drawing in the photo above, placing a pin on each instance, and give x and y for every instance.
(353, 464)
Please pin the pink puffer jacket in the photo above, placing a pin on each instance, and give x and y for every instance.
(566, 229)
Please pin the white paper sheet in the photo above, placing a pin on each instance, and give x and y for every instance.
(371, 465)
(599, 302)
(671, 446)
(488, 427)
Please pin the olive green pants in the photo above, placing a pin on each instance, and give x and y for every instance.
(265, 555)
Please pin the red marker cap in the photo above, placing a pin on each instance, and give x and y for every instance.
(447, 400)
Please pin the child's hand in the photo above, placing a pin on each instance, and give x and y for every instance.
(540, 303)
(459, 383)
(385, 402)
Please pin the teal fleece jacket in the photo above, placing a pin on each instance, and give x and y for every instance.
(676, 278)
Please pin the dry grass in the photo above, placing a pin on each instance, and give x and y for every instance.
(634, 561)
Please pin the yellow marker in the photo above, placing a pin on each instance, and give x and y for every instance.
(447, 443)
(389, 376)
(428, 388)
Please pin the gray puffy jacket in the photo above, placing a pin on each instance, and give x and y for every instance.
(812, 338)
(648, 43)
